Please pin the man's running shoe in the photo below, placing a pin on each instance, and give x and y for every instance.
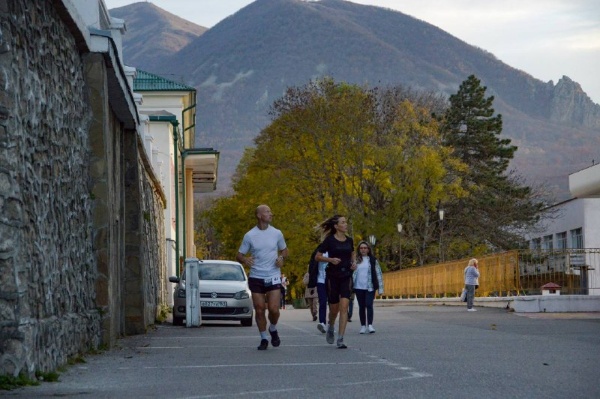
(329, 337)
(275, 341)
(340, 343)
(264, 344)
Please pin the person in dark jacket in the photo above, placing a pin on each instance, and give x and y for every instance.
(316, 278)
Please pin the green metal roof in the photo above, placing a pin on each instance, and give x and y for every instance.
(146, 81)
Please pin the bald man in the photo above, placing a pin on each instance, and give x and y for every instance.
(263, 250)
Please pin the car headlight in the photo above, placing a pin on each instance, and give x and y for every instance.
(241, 295)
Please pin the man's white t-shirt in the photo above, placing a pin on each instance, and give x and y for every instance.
(264, 246)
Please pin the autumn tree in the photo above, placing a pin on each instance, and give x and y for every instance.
(327, 151)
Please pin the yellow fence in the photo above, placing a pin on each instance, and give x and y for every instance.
(499, 275)
(519, 272)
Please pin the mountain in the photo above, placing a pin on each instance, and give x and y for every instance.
(144, 20)
(241, 65)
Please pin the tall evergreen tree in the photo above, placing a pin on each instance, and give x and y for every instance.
(499, 206)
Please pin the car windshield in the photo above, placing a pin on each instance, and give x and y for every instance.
(220, 271)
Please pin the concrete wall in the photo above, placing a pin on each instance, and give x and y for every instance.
(81, 212)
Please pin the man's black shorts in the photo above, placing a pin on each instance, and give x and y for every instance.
(262, 286)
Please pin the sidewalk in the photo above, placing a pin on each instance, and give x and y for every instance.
(518, 304)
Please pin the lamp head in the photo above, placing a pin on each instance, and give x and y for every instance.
(372, 240)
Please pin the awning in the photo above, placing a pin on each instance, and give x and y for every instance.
(204, 163)
(586, 182)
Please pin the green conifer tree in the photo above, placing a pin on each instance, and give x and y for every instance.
(500, 207)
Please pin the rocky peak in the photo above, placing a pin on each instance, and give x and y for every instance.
(572, 106)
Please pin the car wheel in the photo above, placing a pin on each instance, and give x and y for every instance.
(247, 322)
(177, 321)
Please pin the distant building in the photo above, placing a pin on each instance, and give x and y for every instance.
(577, 226)
(169, 109)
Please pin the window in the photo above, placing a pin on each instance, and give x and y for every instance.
(547, 243)
(536, 244)
(577, 239)
(561, 240)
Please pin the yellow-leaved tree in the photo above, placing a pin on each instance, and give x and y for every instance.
(327, 151)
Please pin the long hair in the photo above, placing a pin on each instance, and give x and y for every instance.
(328, 226)
(359, 257)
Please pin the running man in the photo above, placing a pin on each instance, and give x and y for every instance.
(266, 250)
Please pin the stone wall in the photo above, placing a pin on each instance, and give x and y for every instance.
(65, 207)
(48, 270)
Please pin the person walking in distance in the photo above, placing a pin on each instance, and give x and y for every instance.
(341, 263)
(310, 296)
(367, 279)
(263, 250)
(351, 306)
(471, 280)
(284, 284)
(316, 271)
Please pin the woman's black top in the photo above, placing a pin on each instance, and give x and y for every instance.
(338, 249)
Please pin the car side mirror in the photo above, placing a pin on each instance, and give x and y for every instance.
(174, 279)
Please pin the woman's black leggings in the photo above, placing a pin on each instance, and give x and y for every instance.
(365, 305)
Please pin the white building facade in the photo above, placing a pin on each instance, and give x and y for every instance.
(576, 226)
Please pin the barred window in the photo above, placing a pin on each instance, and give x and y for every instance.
(547, 243)
(577, 238)
(561, 240)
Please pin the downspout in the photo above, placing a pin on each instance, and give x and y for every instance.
(176, 152)
(186, 128)
(175, 156)
(184, 203)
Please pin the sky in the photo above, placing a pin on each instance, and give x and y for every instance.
(545, 38)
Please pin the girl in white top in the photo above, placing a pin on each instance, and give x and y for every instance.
(367, 279)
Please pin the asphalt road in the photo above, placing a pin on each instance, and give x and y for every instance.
(417, 352)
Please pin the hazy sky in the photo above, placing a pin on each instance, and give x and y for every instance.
(545, 38)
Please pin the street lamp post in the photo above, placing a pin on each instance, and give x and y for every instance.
(400, 232)
(441, 215)
(372, 240)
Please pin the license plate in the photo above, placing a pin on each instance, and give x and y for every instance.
(213, 304)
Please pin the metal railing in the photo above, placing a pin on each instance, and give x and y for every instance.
(519, 272)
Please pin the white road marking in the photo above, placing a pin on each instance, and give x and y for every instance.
(229, 395)
(205, 366)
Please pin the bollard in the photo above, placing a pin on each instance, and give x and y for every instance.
(193, 317)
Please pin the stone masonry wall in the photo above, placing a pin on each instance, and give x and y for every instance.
(55, 299)
(47, 267)
(143, 238)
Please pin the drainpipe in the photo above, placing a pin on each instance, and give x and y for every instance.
(186, 128)
(175, 156)
(184, 177)
(176, 151)
(183, 202)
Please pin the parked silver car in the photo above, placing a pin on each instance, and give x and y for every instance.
(224, 293)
